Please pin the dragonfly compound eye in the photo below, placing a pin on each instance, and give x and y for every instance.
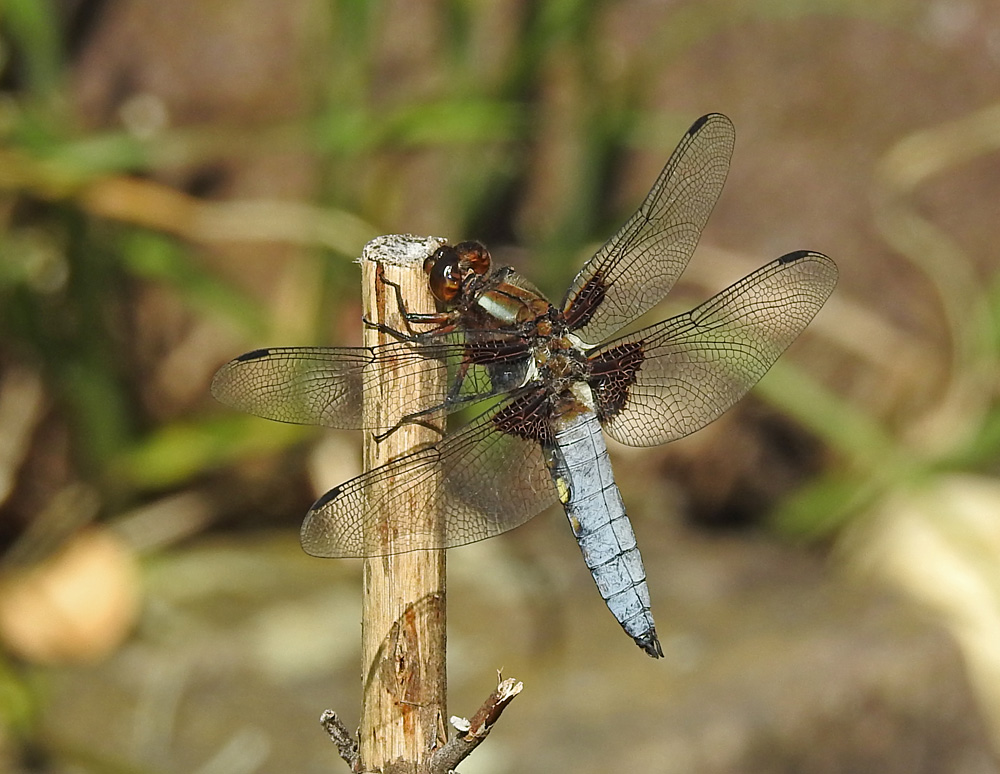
(441, 254)
(475, 256)
(444, 273)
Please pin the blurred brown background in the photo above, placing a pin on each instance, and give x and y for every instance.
(183, 181)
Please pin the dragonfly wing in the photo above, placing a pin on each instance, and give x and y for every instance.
(323, 385)
(639, 265)
(300, 385)
(485, 478)
(668, 380)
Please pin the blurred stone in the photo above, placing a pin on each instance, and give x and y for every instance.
(938, 541)
(77, 605)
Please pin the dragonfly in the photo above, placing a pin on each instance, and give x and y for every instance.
(551, 378)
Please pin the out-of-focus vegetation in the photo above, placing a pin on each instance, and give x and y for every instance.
(183, 181)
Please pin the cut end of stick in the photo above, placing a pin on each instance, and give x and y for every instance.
(400, 249)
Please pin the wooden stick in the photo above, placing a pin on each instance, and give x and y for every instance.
(403, 618)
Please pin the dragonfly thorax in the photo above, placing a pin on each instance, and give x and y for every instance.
(557, 362)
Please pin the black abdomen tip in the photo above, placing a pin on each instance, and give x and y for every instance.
(650, 643)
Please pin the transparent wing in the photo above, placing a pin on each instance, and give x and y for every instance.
(301, 385)
(323, 385)
(486, 478)
(668, 380)
(637, 267)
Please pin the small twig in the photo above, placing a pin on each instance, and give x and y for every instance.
(471, 733)
(347, 743)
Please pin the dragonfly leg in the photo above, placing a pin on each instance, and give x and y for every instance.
(453, 399)
(447, 326)
(438, 319)
(400, 305)
(390, 331)
(410, 419)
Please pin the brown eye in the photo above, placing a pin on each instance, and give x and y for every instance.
(445, 278)
(475, 255)
(432, 259)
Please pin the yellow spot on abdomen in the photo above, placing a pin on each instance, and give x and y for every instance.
(563, 488)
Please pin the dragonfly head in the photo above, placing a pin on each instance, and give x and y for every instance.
(450, 267)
